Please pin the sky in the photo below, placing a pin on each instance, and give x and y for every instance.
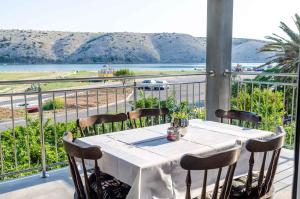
(252, 18)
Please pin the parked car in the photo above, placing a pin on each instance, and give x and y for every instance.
(32, 109)
(147, 84)
(23, 104)
(161, 84)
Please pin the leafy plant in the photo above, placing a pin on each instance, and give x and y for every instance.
(265, 102)
(50, 104)
(180, 115)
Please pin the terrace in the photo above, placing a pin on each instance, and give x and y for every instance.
(31, 145)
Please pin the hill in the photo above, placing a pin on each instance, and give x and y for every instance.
(26, 46)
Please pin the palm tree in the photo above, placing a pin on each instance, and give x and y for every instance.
(286, 50)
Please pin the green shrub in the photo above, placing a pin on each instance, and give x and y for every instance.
(123, 72)
(27, 143)
(269, 104)
(265, 102)
(57, 103)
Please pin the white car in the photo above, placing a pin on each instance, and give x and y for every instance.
(161, 85)
(147, 84)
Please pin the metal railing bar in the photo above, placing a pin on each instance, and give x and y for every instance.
(76, 101)
(97, 98)
(55, 132)
(251, 97)
(87, 103)
(133, 77)
(27, 132)
(263, 74)
(116, 102)
(66, 110)
(238, 94)
(180, 93)
(267, 101)
(187, 94)
(144, 96)
(159, 98)
(13, 130)
(268, 83)
(245, 96)
(292, 113)
(199, 95)
(259, 98)
(84, 89)
(125, 101)
(284, 96)
(106, 100)
(42, 135)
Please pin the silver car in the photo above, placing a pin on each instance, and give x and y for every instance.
(161, 85)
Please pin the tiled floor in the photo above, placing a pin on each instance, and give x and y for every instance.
(59, 186)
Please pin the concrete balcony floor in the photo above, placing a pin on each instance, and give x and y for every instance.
(60, 186)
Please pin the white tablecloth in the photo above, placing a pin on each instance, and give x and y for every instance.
(149, 163)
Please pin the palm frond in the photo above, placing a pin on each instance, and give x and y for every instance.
(285, 50)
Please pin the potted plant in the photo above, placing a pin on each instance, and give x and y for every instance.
(180, 119)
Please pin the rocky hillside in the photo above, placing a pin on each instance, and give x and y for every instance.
(20, 46)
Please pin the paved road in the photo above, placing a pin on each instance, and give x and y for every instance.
(190, 92)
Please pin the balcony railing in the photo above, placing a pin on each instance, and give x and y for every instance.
(272, 96)
(32, 122)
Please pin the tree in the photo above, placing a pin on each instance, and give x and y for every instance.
(122, 73)
(286, 50)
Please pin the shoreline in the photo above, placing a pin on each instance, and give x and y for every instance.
(94, 67)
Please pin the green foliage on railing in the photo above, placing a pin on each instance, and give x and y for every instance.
(21, 148)
(267, 103)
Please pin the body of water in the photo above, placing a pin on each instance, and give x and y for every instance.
(96, 67)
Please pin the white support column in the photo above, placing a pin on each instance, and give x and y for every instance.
(218, 55)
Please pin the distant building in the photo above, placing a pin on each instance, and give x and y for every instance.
(106, 71)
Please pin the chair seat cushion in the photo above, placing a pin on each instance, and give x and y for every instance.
(238, 188)
(112, 188)
(209, 195)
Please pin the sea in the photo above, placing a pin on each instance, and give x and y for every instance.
(96, 67)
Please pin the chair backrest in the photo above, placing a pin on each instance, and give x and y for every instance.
(147, 113)
(246, 116)
(217, 161)
(272, 145)
(93, 153)
(87, 126)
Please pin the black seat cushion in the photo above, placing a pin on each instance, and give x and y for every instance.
(238, 189)
(209, 195)
(112, 188)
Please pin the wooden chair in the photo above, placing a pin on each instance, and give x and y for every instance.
(259, 185)
(250, 117)
(147, 113)
(87, 126)
(217, 161)
(96, 185)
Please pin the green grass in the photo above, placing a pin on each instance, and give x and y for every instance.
(61, 85)
(82, 73)
(29, 75)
